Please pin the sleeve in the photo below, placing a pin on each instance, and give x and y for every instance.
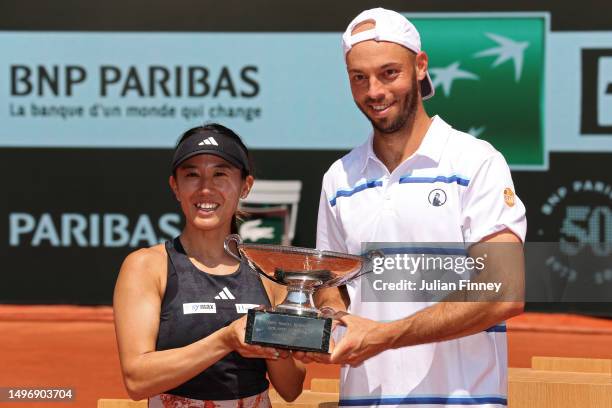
(490, 203)
(330, 236)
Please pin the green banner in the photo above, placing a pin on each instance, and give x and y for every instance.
(488, 72)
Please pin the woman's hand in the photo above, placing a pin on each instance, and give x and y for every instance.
(234, 338)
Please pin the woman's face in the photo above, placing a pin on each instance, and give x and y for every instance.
(208, 188)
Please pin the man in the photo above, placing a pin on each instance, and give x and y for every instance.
(409, 353)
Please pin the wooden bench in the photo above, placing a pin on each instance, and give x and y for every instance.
(529, 388)
(552, 382)
(581, 365)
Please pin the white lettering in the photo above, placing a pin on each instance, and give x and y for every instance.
(169, 225)
(45, 231)
(19, 224)
(94, 230)
(73, 225)
(90, 230)
(116, 224)
(143, 232)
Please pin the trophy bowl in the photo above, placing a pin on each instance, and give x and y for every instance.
(296, 323)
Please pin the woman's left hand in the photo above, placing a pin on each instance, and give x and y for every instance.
(234, 338)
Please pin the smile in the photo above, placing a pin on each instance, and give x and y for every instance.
(207, 207)
(381, 109)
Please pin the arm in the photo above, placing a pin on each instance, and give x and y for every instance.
(286, 374)
(137, 304)
(445, 320)
(287, 377)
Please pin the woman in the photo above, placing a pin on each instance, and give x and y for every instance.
(179, 306)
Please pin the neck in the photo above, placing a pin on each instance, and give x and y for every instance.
(206, 246)
(393, 148)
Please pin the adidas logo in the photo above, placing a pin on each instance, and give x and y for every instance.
(225, 294)
(209, 141)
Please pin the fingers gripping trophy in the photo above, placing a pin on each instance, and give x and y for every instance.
(296, 323)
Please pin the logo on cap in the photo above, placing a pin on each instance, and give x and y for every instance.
(208, 141)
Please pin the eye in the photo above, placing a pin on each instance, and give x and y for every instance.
(391, 72)
(220, 173)
(191, 174)
(358, 78)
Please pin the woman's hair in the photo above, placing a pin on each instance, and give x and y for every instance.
(225, 131)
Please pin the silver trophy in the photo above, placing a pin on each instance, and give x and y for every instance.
(296, 323)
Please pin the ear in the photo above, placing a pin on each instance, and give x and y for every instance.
(174, 187)
(246, 186)
(421, 64)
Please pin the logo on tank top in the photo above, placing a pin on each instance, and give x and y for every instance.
(192, 308)
(244, 307)
(225, 294)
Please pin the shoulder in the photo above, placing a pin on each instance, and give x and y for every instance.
(467, 146)
(146, 267)
(468, 155)
(146, 258)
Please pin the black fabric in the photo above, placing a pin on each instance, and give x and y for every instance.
(233, 376)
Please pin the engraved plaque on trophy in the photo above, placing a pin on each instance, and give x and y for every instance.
(296, 323)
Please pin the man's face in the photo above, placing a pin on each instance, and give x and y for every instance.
(384, 83)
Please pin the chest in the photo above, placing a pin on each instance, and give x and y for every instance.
(410, 209)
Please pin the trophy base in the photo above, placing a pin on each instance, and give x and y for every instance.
(292, 331)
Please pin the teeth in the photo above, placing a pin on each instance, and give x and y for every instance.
(379, 107)
(207, 206)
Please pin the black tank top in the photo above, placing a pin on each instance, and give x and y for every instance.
(195, 305)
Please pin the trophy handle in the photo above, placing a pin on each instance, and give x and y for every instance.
(375, 253)
(226, 245)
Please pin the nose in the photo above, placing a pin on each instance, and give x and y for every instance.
(376, 90)
(206, 183)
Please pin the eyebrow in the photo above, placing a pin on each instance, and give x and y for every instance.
(385, 66)
(390, 64)
(222, 166)
(187, 166)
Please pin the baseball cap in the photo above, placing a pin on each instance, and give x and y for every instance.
(211, 142)
(388, 26)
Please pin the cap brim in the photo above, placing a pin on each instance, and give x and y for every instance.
(217, 153)
(427, 88)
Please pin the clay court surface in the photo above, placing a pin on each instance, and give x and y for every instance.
(71, 346)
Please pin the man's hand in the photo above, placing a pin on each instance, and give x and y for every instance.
(362, 339)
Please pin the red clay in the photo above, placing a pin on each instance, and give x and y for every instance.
(72, 346)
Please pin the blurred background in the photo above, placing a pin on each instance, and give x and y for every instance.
(93, 97)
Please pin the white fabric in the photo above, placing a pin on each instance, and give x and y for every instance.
(389, 26)
(362, 202)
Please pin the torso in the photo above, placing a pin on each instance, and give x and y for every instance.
(194, 304)
(374, 205)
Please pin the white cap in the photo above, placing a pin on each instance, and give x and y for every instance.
(388, 26)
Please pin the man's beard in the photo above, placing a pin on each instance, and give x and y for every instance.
(406, 116)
